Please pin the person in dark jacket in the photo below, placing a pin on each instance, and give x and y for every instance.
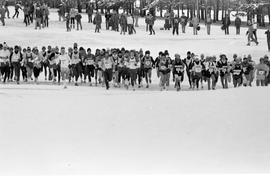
(17, 7)
(151, 24)
(97, 21)
(78, 18)
(226, 22)
(90, 11)
(183, 21)
(237, 23)
(26, 10)
(39, 15)
(2, 15)
(108, 15)
(175, 24)
(123, 23)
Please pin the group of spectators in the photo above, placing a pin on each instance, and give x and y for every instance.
(36, 13)
(128, 68)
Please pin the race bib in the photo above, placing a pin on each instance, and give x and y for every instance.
(236, 72)
(198, 69)
(90, 62)
(163, 67)
(224, 68)
(178, 69)
(148, 63)
(261, 72)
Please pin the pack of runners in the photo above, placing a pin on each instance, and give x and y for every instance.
(127, 68)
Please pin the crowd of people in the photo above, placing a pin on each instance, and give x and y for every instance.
(36, 13)
(128, 68)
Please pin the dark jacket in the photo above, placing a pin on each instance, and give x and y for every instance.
(226, 21)
(237, 22)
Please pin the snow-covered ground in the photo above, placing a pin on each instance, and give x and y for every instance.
(45, 130)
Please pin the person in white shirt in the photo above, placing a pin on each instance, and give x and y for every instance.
(4, 62)
(133, 67)
(64, 61)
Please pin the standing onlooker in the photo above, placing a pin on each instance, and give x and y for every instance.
(136, 15)
(68, 22)
(183, 21)
(97, 21)
(237, 23)
(123, 23)
(175, 24)
(167, 24)
(78, 18)
(147, 20)
(72, 17)
(26, 10)
(2, 15)
(195, 23)
(129, 24)
(115, 21)
(46, 15)
(151, 24)
(226, 24)
(90, 11)
(38, 14)
(107, 18)
(61, 11)
(268, 37)
(208, 23)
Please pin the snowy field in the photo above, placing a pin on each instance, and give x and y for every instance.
(45, 130)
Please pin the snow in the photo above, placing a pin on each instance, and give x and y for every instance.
(46, 130)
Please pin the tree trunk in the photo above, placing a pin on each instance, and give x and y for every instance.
(178, 10)
(188, 11)
(217, 10)
(161, 10)
(182, 8)
(268, 14)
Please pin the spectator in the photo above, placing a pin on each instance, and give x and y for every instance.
(238, 23)
(167, 24)
(195, 23)
(183, 21)
(208, 23)
(78, 18)
(147, 21)
(17, 7)
(136, 16)
(151, 24)
(26, 10)
(72, 17)
(97, 21)
(2, 15)
(226, 22)
(123, 23)
(38, 15)
(90, 11)
(175, 24)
